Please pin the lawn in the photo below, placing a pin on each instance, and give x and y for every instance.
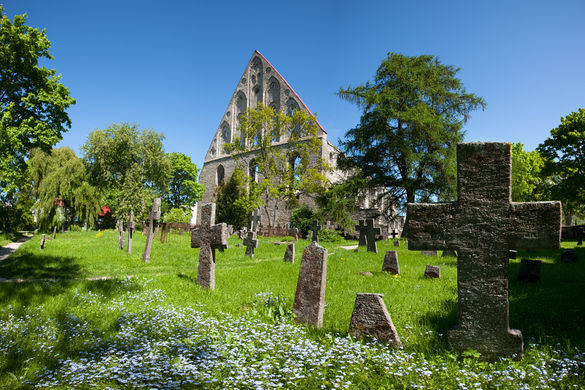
(150, 325)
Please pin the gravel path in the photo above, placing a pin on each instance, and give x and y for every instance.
(9, 249)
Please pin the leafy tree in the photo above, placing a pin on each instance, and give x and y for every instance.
(129, 165)
(231, 201)
(528, 185)
(61, 188)
(32, 99)
(184, 189)
(280, 175)
(302, 218)
(564, 161)
(413, 114)
(178, 215)
(338, 203)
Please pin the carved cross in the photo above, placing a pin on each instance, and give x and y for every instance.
(361, 228)
(371, 233)
(483, 225)
(394, 233)
(209, 237)
(315, 227)
(251, 242)
(255, 219)
(154, 215)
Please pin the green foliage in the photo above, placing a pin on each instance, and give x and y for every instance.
(326, 235)
(231, 201)
(340, 201)
(129, 165)
(32, 100)
(184, 189)
(302, 218)
(413, 115)
(283, 174)
(178, 215)
(564, 155)
(16, 211)
(528, 185)
(60, 174)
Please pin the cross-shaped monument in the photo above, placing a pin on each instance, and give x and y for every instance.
(251, 242)
(371, 233)
(394, 233)
(483, 225)
(131, 226)
(361, 228)
(209, 237)
(255, 219)
(152, 216)
(315, 227)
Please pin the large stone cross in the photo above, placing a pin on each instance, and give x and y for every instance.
(371, 233)
(208, 237)
(255, 218)
(483, 225)
(361, 228)
(315, 227)
(251, 242)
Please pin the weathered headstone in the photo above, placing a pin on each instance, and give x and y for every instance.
(569, 256)
(255, 219)
(513, 254)
(428, 253)
(54, 231)
(208, 237)
(250, 242)
(120, 229)
(122, 241)
(310, 294)
(449, 253)
(371, 234)
(483, 225)
(315, 227)
(289, 255)
(130, 228)
(529, 270)
(43, 241)
(371, 318)
(152, 216)
(433, 272)
(295, 232)
(230, 230)
(391, 263)
(361, 229)
(396, 243)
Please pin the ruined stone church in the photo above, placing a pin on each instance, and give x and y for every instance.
(260, 83)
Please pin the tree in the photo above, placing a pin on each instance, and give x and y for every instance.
(184, 191)
(413, 114)
(339, 202)
(528, 184)
(33, 102)
(129, 165)
(279, 175)
(564, 162)
(59, 183)
(231, 201)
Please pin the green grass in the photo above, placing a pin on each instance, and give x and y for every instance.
(62, 313)
(7, 238)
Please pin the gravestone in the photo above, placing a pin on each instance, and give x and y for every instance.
(230, 230)
(122, 239)
(208, 237)
(394, 233)
(449, 253)
(513, 254)
(154, 215)
(361, 228)
(391, 263)
(289, 254)
(43, 241)
(251, 242)
(580, 234)
(255, 219)
(295, 232)
(371, 318)
(396, 243)
(433, 272)
(483, 225)
(569, 256)
(54, 231)
(428, 253)
(371, 234)
(130, 228)
(315, 229)
(120, 229)
(310, 294)
(529, 270)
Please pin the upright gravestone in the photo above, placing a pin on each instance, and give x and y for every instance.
(120, 228)
(310, 294)
(361, 228)
(295, 232)
(529, 270)
(43, 241)
(130, 228)
(209, 237)
(251, 242)
(154, 215)
(255, 219)
(391, 263)
(433, 272)
(580, 234)
(371, 234)
(289, 255)
(54, 231)
(371, 318)
(396, 243)
(483, 225)
(315, 227)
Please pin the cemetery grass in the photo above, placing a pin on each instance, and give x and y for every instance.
(84, 314)
(8, 237)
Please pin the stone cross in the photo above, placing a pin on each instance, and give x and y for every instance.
(371, 233)
(209, 237)
(361, 228)
(255, 219)
(371, 318)
(394, 233)
(152, 216)
(43, 241)
(130, 228)
(251, 242)
(315, 227)
(483, 225)
(310, 294)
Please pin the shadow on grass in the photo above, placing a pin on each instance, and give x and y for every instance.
(26, 265)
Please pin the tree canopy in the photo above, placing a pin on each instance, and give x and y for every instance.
(528, 184)
(564, 154)
(412, 119)
(33, 101)
(184, 191)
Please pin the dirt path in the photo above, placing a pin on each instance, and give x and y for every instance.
(9, 249)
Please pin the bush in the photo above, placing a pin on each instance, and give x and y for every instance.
(302, 218)
(327, 235)
(177, 215)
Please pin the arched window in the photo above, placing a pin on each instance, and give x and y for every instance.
(294, 164)
(274, 93)
(226, 135)
(220, 175)
(253, 171)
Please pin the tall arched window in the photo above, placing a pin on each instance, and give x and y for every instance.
(253, 171)
(220, 175)
(226, 135)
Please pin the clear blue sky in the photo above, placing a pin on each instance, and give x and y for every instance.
(173, 65)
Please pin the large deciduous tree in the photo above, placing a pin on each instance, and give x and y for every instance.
(184, 191)
(528, 184)
(129, 165)
(279, 173)
(413, 115)
(33, 101)
(564, 154)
